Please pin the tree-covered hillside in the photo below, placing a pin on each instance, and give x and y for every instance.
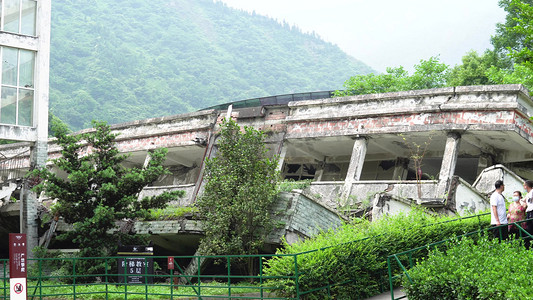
(121, 60)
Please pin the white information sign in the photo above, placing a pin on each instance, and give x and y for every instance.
(18, 289)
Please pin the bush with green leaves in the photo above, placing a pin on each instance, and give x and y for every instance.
(288, 185)
(357, 253)
(469, 269)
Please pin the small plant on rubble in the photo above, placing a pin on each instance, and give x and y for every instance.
(95, 190)
(417, 153)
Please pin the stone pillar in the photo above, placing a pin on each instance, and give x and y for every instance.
(147, 160)
(29, 224)
(320, 170)
(485, 161)
(282, 154)
(39, 148)
(355, 168)
(449, 160)
(210, 151)
(400, 168)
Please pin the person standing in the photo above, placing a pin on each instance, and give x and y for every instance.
(516, 213)
(528, 185)
(498, 214)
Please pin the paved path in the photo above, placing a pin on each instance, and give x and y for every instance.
(386, 295)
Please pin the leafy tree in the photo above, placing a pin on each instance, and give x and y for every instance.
(515, 36)
(474, 70)
(524, 29)
(98, 190)
(238, 195)
(519, 74)
(428, 74)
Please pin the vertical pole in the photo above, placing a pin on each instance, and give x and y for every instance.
(74, 277)
(171, 284)
(106, 280)
(198, 262)
(296, 275)
(145, 275)
(228, 266)
(261, 275)
(391, 284)
(22, 226)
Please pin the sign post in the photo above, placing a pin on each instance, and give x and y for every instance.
(137, 268)
(18, 265)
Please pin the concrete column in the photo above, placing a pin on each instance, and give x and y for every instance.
(320, 170)
(38, 157)
(282, 154)
(147, 160)
(400, 168)
(485, 161)
(355, 168)
(210, 151)
(449, 160)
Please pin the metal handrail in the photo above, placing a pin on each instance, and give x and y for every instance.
(523, 234)
(44, 284)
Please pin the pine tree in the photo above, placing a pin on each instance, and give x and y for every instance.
(97, 191)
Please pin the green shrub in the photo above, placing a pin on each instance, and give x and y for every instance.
(358, 253)
(289, 184)
(169, 213)
(468, 269)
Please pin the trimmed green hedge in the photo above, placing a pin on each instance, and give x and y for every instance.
(483, 269)
(358, 253)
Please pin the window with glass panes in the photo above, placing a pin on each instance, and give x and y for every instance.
(18, 16)
(17, 86)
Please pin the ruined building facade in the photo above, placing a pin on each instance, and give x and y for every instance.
(369, 154)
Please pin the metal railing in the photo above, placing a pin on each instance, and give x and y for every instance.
(68, 278)
(273, 100)
(396, 259)
(99, 277)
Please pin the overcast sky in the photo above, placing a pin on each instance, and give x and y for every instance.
(390, 33)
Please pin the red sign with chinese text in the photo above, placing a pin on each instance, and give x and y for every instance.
(170, 262)
(18, 260)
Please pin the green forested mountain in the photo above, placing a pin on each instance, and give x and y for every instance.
(121, 60)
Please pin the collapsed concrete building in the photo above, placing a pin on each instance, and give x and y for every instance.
(375, 154)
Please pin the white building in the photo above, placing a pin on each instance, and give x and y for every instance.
(25, 56)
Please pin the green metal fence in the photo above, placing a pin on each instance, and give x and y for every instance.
(99, 278)
(405, 260)
(62, 278)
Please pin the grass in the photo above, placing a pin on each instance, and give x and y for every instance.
(170, 213)
(56, 290)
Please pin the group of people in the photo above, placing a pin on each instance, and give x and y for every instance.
(521, 208)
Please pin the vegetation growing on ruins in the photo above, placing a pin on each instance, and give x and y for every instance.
(485, 269)
(239, 193)
(428, 74)
(358, 252)
(96, 190)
